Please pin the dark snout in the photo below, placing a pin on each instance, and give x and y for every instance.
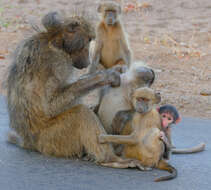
(81, 60)
(110, 19)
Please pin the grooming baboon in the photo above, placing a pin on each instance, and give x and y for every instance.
(142, 137)
(44, 108)
(117, 99)
(111, 46)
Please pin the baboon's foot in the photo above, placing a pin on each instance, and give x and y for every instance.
(127, 163)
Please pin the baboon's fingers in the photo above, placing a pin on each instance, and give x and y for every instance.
(194, 149)
(13, 138)
(115, 165)
(137, 163)
(142, 168)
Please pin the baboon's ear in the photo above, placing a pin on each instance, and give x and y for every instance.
(178, 120)
(52, 20)
(99, 9)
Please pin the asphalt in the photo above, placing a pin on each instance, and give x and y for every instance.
(25, 170)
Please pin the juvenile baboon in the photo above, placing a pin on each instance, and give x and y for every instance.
(143, 137)
(117, 99)
(111, 46)
(169, 115)
(44, 109)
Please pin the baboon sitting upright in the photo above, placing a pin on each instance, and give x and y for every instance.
(111, 46)
(142, 136)
(44, 110)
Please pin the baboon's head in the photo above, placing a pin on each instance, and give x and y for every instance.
(110, 12)
(71, 35)
(140, 75)
(144, 76)
(144, 98)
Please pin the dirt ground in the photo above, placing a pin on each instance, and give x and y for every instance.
(173, 37)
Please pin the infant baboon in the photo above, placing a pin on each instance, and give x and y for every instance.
(44, 108)
(142, 136)
(111, 46)
(117, 99)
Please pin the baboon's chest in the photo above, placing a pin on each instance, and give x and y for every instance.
(111, 50)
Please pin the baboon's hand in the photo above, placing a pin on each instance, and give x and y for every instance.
(162, 136)
(113, 77)
(137, 163)
(120, 68)
(101, 139)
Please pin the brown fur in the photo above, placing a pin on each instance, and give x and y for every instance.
(123, 117)
(44, 109)
(117, 99)
(111, 46)
(141, 135)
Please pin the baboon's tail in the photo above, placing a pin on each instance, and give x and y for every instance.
(163, 165)
(194, 149)
(14, 138)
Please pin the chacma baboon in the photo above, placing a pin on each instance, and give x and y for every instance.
(143, 137)
(111, 46)
(169, 115)
(117, 99)
(44, 109)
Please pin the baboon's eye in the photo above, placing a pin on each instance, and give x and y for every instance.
(140, 99)
(71, 27)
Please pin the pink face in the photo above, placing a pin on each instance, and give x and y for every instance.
(167, 119)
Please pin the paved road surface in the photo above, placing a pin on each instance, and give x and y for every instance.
(24, 170)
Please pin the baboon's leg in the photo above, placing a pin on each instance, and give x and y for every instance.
(72, 132)
(129, 163)
(23, 142)
(77, 130)
(120, 120)
(119, 139)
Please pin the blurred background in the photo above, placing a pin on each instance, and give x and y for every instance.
(172, 37)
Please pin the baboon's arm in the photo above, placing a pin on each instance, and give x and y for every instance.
(119, 139)
(127, 53)
(62, 99)
(166, 141)
(120, 120)
(95, 55)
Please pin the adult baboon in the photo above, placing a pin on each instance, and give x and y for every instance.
(44, 108)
